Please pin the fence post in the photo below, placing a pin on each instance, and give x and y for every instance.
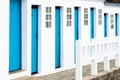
(117, 56)
(94, 59)
(93, 67)
(117, 60)
(107, 52)
(106, 64)
(78, 60)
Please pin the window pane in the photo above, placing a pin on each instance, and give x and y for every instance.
(85, 16)
(112, 26)
(100, 11)
(111, 21)
(68, 23)
(100, 16)
(69, 10)
(48, 9)
(48, 24)
(111, 15)
(85, 10)
(85, 22)
(100, 22)
(69, 17)
(48, 17)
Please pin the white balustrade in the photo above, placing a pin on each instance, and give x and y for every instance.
(94, 51)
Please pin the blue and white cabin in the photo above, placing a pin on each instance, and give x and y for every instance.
(39, 37)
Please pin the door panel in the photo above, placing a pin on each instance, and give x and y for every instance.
(57, 37)
(92, 23)
(15, 36)
(34, 39)
(105, 25)
(116, 24)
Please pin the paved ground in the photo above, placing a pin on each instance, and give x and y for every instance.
(64, 75)
(68, 74)
(113, 74)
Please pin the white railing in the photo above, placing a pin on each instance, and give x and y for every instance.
(96, 51)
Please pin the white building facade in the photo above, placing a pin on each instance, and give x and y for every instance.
(45, 32)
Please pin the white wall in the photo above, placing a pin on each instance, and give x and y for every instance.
(4, 41)
(46, 45)
(47, 35)
(111, 10)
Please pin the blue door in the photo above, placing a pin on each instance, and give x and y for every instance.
(105, 25)
(116, 24)
(76, 30)
(15, 36)
(34, 39)
(92, 23)
(57, 37)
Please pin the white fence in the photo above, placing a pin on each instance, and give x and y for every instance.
(96, 51)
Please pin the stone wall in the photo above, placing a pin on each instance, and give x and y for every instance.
(113, 74)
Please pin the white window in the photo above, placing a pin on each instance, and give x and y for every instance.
(85, 16)
(48, 9)
(48, 17)
(100, 16)
(69, 17)
(112, 21)
(48, 24)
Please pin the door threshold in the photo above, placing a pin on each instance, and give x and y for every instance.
(17, 71)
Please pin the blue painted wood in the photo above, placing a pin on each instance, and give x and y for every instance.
(15, 36)
(116, 24)
(76, 31)
(105, 25)
(34, 39)
(92, 23)
(57, 37)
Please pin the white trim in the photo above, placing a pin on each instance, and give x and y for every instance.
(18, 74)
